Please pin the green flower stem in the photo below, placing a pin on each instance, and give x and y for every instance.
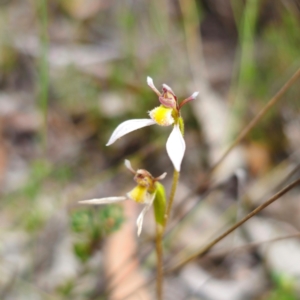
(160, 229)
(159, 254)
(172, 196)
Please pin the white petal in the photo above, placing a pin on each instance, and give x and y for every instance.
(153, 87)
(161, 177)
(128, 166)
(103, 200)
(140, 219)
(127, 127)
(176, 147)
(194, 95)
(150, 82)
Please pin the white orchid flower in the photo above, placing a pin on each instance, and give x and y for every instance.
(143, 193)
(168, 113)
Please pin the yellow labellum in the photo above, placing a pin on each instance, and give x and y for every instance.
(139, 194)
(162, 115)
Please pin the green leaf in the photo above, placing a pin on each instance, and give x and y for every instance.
(181, 125)
(159, 204)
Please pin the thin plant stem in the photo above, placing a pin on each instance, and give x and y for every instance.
(247, 247)
(159, 238)
(207, 247)
(257, 118)
(159, 263)
(247, 130)
(172, 196)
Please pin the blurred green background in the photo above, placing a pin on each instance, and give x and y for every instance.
(72, 70)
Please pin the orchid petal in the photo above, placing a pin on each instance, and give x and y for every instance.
(140, 219)
(106, 200)
(161, 177)
(176, 147)
(165, 86)
(192, 97)
(139, 194)
(128, 126)
(152, 86)
(167, 102)
(128, 166)
(162, 115)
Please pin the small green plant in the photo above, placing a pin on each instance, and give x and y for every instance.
(90, 227)
(284, 288)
